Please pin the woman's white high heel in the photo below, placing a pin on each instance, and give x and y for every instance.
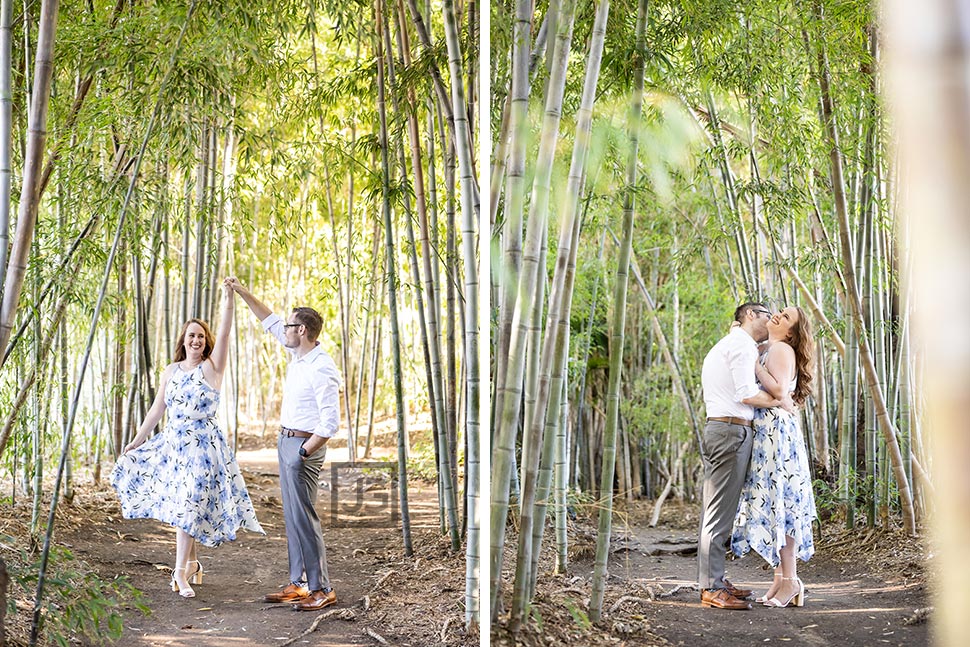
(196, 576)
(185, 591)
(774, 586)
(797, 598)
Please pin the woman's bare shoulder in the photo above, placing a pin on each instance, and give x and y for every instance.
(781, 349)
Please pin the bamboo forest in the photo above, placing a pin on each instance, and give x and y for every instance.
(273, 375)
(654, 166)
(165, 162)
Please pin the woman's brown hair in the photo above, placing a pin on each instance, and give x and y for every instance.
(802, 340)
(210, 340)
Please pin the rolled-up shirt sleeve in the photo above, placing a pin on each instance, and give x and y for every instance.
(327, 393)
(274, 326)
(741, 361)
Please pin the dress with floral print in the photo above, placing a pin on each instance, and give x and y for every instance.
(777, 499)
(186, 476)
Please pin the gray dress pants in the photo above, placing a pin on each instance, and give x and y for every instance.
(726, 451)
(304, 540)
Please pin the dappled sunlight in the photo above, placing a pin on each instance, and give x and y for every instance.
(194, 638)
(897, 610)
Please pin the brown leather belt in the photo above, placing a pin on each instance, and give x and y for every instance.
(734, 421)
(290, 433)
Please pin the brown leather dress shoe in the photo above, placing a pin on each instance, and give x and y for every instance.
(722, 599)
(317, 600)
(741, 594)
(290, 593)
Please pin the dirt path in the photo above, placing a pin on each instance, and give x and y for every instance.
(846, 602)
(365, 556)
(861, 591)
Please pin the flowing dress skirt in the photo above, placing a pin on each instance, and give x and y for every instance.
(777, 499)
(186, 476)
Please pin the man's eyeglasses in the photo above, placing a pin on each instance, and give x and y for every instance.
(293, 325)
(763, 312)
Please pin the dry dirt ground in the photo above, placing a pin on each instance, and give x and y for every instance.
(382, 594)
(863, 589)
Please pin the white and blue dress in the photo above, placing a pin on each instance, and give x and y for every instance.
(777, 499)
(186, 476)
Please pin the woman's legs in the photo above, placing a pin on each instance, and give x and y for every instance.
(789, 585)
(773, 589)
(194, 568)
(184, 546)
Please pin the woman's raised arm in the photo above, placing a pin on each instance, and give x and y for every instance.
(220, 352)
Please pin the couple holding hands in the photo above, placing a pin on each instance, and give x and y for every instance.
(187, 476)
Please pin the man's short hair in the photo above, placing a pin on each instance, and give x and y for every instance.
(310, 319)
(742, 312)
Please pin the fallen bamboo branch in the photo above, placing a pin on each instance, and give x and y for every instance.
(919, 616)
(444, 629)
(383, 579)
(678, 589)
(433, 570)
(628, 598)
(376, 636)
(345, 614)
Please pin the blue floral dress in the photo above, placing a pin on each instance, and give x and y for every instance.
(186, 476)
(777, 499)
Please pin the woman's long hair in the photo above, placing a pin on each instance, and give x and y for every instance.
(802, 341)
(210, 340)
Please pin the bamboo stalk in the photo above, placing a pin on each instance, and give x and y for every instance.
(852, 293)
(392, 286)
(45, 552)
(532, 264)
(617, 325)
(557, 327)
(469, 235)
(33, 157)
(6, 126)
(515, 190)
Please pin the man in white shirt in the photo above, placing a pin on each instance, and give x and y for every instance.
(309, 417)
(730, 394)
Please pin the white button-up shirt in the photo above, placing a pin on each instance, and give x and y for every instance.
(728, 376)
(311, 392)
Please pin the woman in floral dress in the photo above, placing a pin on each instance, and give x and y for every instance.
(186, 476)
(777, 505)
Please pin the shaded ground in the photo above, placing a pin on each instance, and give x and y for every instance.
(863, 588)
(382, 594)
